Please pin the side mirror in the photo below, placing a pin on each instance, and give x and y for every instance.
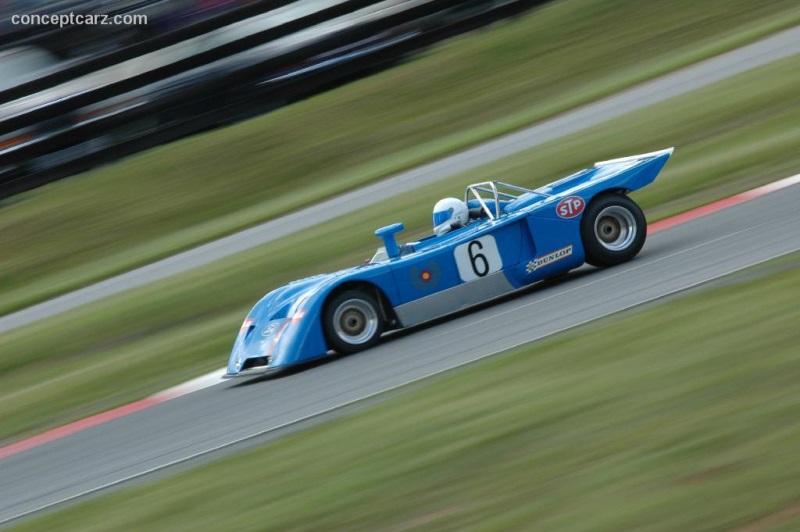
(387, 234)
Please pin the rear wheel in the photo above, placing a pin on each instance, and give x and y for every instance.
(613, 230)
(353, 321)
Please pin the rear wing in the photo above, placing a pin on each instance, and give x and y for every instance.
(631, 158)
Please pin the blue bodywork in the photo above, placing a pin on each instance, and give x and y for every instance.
(536, 235)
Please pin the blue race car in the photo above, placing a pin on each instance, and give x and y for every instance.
(500, 238)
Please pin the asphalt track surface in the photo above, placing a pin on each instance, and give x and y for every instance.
(232, 415)
(776, 47)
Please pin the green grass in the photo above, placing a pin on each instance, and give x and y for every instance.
(80, 230)
(125, 347)
(684, 416)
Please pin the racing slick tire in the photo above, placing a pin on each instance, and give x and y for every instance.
(613, 230)
(352, 321)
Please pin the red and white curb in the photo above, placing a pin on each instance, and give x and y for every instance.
(704, 210)
(205, 381)
(215, 377)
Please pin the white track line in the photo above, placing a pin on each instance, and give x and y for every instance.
(368, 396)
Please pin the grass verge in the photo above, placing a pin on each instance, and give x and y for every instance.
(730, 137)
(80, 230)
(682, 417)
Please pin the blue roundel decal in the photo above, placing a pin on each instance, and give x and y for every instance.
(426, 275)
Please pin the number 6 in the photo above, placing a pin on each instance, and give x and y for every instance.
(478, 258)
(475, 258)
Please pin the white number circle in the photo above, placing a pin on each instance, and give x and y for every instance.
(478, 258)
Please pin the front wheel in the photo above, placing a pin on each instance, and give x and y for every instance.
(613, 230)
(352, 322)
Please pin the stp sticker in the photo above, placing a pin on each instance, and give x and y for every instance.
(570, 207)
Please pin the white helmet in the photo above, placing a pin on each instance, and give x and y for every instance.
(449, 212)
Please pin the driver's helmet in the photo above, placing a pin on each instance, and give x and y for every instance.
(449, 213)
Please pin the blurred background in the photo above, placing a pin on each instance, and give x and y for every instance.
(124, 144)
(79, 95)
